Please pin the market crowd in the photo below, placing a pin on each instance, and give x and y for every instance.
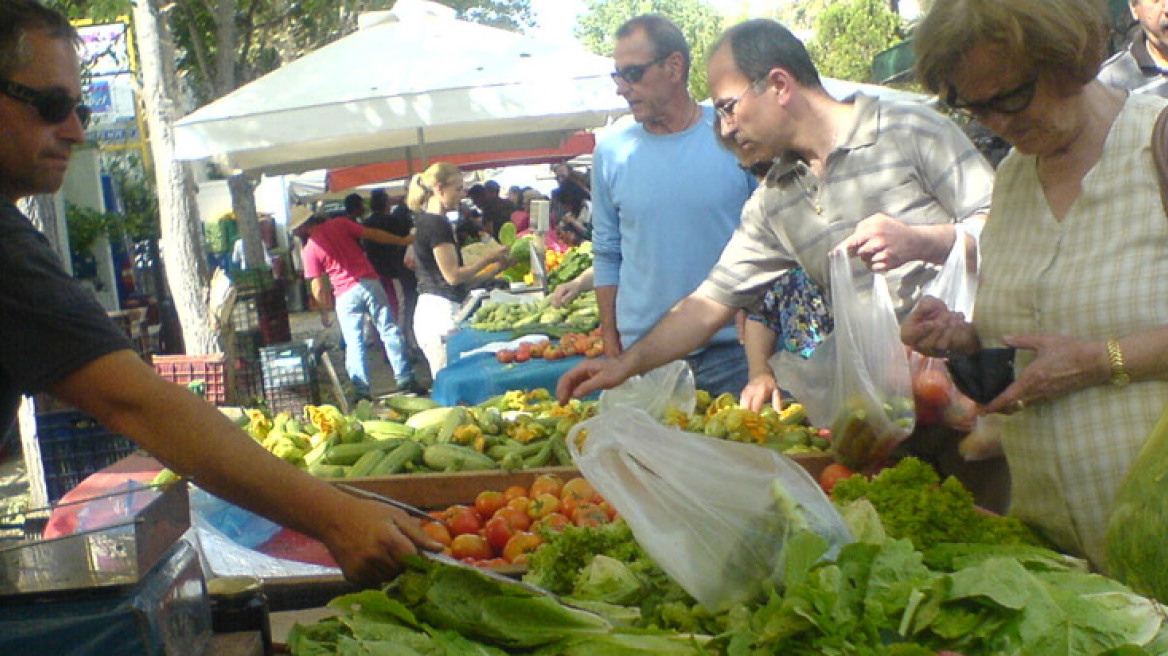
(712, 227)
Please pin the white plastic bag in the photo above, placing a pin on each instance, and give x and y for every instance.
(857, 382)
(704, 509)
(668, 386)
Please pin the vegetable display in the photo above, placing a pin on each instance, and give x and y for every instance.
(581, 315)
(1137, 534)
(880, 596)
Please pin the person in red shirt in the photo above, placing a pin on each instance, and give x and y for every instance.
(333, 256)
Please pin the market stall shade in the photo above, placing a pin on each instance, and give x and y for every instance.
(580, 143)
(419, 84)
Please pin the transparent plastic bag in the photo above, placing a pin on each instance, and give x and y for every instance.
(668, 386)
(706, 510)
(937, 399)
(857, 382)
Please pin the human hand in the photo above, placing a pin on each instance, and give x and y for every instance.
(1061, 365)
(934, 330)
(589, 376)
(883, 243)
(565, 292)
(371, 538)
(760, 390)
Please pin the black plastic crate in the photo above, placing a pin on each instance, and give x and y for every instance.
(292, 398)
(287, 365)
(265, 313)
(74, 445)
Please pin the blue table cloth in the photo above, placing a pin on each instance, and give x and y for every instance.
(469, 339)
(477, 378)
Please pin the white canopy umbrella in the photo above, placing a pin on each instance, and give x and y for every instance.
(420, 83)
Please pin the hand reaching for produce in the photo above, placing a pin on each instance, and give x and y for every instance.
(369, 540)
(590, 376)
(759, 391)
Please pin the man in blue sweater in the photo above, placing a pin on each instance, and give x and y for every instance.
(665, 199)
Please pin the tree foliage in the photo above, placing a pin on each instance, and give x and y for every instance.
(699, 22)
(849, 34)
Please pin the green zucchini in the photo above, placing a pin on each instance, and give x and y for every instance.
(398, 459)
(452, 457)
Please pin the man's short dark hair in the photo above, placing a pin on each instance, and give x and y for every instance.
(353, 202)
(762, 45)
(379, 201)
(491, 184)
(17, 17)
(476, 190)
(663, 33)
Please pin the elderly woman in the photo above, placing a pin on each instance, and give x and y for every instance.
(1074, 260)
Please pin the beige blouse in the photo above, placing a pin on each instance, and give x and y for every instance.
(1100, 272)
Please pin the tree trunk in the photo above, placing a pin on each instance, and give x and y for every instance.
(182, 236)
(243, 204)
(227, 38)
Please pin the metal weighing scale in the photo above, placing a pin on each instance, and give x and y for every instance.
(131, 587)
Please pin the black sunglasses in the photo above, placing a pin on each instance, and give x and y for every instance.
(633, 73)
(1014, 101)
(54, 105)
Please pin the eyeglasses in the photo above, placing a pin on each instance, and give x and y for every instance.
(54, 105)
(634, 72)
(1014, 101)
(726, 108)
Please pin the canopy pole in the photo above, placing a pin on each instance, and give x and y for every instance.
(422, 149)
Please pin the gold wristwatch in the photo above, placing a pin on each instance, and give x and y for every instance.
(1119, 375)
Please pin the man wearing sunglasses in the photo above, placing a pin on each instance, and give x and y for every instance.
(1142, 66)
(665, 200)
(56, 338)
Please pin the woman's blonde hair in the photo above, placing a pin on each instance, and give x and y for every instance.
(1064, 38)
(423, 184)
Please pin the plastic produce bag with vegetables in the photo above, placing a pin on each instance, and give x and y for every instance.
(857, 382)
(715, 515)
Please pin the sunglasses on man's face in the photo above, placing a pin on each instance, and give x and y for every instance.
(54, 105)
(1014, 101)
(634, 72)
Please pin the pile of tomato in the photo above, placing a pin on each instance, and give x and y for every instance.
(504, 527)
(571, 344)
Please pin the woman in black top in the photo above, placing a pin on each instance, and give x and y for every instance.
(442, 277)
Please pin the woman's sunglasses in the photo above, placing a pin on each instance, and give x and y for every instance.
(54, 105)
(1014, 101)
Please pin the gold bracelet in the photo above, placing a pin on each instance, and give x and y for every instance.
(1119, 375)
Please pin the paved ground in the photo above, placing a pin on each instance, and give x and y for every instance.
(304, 325)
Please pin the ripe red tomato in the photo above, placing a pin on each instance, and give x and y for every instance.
(522, 356)
(497, 532)
(832, 474)
(520, 503)
(462, 520)
(589, 514)
(515, 491)
(520, 546)
(547, 484)
(506, 356)
(488, 501)
(931, 392)
(554, 522)
(470, 546)
(515, 518)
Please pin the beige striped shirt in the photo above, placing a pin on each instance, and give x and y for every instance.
(903, 159)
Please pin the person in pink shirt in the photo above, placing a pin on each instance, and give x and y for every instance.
(332, 250)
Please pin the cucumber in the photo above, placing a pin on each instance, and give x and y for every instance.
(452, 457)
(322, 470)
(347, 454)
(367, 463)
(407, 453)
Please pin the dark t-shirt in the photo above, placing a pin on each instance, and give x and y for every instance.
(387, 259)
(50, 324)
(434, 230)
